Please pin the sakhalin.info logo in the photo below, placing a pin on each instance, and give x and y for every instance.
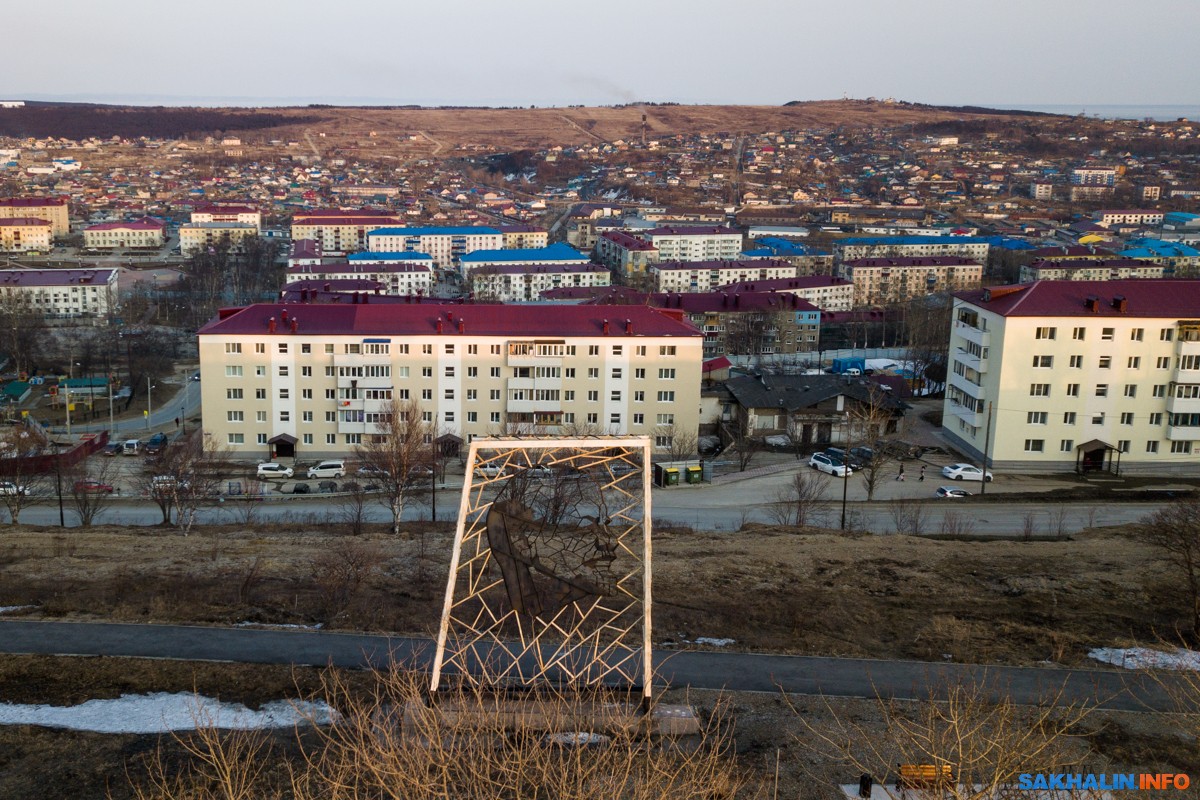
(1115, 782)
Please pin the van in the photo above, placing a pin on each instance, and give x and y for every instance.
(328, 469)
(131, 447)
(156, 444)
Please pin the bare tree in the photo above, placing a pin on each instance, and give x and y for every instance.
(869, 426)
(1175, 530)
(680, 444)
(25, 456)
(90, 486)
(352, 507)
(910, 517)
(802, 501)
(185, 477)
(400, 448)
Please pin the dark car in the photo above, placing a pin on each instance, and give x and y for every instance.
(93, 487)
(301, 488)
(156, 444)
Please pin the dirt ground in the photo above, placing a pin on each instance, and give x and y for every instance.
(769, 732)
(770, 589)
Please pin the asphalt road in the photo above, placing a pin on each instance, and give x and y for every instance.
(840, 677)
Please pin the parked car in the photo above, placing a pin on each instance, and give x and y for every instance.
(864, 454)
(93, 487)
(327, 486)
(951, 491)
(131, 447)
(539, 472)
(156, 444)
(965, 472)
(371, 471)
(10, 488)
(114, 449)
(845, 457)
(419, 474)
(490, 471)
(166, 483)
(823, 462)
(273, 469)
(328, 469)
(301, 488)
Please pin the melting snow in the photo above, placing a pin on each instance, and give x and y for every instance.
(9, 609)
(161, 712)
(1145, 658)
(714, 642)
(283, 625)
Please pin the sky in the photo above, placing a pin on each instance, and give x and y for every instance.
(564, 52)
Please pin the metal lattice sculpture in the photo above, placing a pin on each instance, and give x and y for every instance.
(550, 574)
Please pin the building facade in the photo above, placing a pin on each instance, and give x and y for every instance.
(627, 254)
(341, 232)
(555, 255)
(25, 234)
(879, 281)
(859, 247)
(524, 283)
(705, 276)
(60, 293)
(1102, 269)
(695, 243)
(116, 235)
(316, 378)
(246, 215)
(1056, 376)
(195, 237)
(823, 291)
(523, 237)
(1130, 216)
(395, 279)
(51, 209)
(444, 244)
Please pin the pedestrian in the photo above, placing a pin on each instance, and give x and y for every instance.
(177, 422)
(900, 474)
(922, 473)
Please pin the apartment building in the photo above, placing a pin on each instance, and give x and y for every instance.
(51, 209)
(856, 248)
(558, 255)
(1083, 193)
(1101, 269)
(823, 291)
(807, 260)
(195, 237)
(246, 215)
(523, 237)
(314, 380)
(394, 278)
(1056, 376)
(628, 254)
(340, 232)
(749, 324)
(1180, 260)
(143, 232)
(25, 234)
(705, 276)
(1094, 176)
(695, 243)
(524, 283)
(1041, 190)
(1130, 216)
(879, 281)
(446, 244)
(60, 293)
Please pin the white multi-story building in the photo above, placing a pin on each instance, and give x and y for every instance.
(396, 278)
(1102, 269)
(25, 234)
(445, 244)
(338, 231)
(823, 291)
(1130, 216)
(554, 255)
(524, 283)
(858, 247)
(145, 232)
(247, 215)
(52, 209)
(699, 243)
(705, 276)
(314, 380)
(1077, 375)
(60, 293)
(625, 253)
(197, 236)
(895, 280)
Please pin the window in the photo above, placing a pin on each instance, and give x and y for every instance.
(233, 347)
(1181, 447)
(568, 395)
(472, 416)
(331, 438)
(330, 394)
(666, 350)
(232, 372)
(353, 349)
(449, 349)
(1126, 417)
(449, 394)
(1163, 362)
(1072, 390)
(237, 438)
(1105, 362)
(1165, 335)
(426, 372)
(640, 350)
(1039, 390)
(1151, 446)
(618, 349)
(493, 394)
(261, 438)
(329, 352)
(1068, 418)
(1077, 334)
(593, 396)
(1076, 362)
(306, 348)
(1107, 334)
(285, 416)
(260, 394)
(331, 416)
(639, 397)
(1036, 418)
(494, 416)
(665, 419)
(615, 395)
(592, 419)
(1136, 335)
(330, 372)
(639, 419)
(472, 372)
(594, 350)
(1156, 418)
(616, 373)
(1046, 333)
(427, 349)
(472, 349)
(1131, 390)
(353, 438)
(1066, 445)
(260, 371)
(449, 372)
(1135, 362)
(639, 374)
(568, 372)
(1160, 390)
(472, 394)
(1123, 445)
(449, 416)
(233, 394)
(260, 416)
(234, 416)
(593, 372)
(666, 374)
(283, 347)
(1189, 362)
(307, 416)
(1101, 390)
(495, 372)
(614, 419)
(495, 349)
(1098, 419)
(306, 372)
(308, 438)
(427, 394)
(260, 347)
(306, 394)
(1039, 362)
(666, 397)
(1035, 445)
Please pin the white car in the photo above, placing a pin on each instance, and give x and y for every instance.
(273, 469)
(965, 472)
(490, 471)
(8, 487)
(823, 462)
(328, 469)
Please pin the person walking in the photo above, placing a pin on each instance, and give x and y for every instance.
(900, 474)
(922, 476)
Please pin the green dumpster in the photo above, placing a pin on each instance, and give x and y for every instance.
(672, 476)
(694, 474)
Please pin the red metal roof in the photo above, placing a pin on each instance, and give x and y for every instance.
(777, 284)
(144, 224)
(747, 264)
(335, 221)
(423, 320)
(698, 230)
(31, 202)
(1158, 298)
(916, 261)
(21, 222)
(623, 239)
(54, 277)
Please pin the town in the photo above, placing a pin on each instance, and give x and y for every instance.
(887, 362)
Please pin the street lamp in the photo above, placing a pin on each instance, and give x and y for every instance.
(845, 467)
(149, 406)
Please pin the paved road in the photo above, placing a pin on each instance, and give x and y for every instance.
(842, 677)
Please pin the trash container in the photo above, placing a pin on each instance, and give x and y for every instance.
(694, 474)
(672, 476)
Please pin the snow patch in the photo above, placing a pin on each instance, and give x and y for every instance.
(162, 712)
(714, 642)
(283, 625)
(10, 609)
(1145, 658)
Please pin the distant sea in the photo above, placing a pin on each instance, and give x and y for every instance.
(1161, 113)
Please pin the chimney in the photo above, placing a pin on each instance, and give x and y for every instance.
(1092, 303)
(328, 286)
(462, 325)
(629, 327)
(439, 324)
(1120, 303)
(604, 327)
(271, 325)
(283, 315)
(295, 324)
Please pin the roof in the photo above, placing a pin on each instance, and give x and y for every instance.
(143, 224)
(883, 241)
(335, 285)
(1099, 263)
(697, 266)
(448, 230)
(371, 255)
(1127, 211)
(794, 392)
(336, 221)
(509, 321)
(370, 268)
(306, 248)
(320, 213)
(1162, 299)
(217, 208)
(921, 261)
(31, 202)
(213, 226)
(54, 277)
(692, 230)
(783, 284)
(1157, 248)
(24, 222)
(544, 255)
(1078, 251)
(622, 239)
(537, 269)
(730, 302)
(786, 247)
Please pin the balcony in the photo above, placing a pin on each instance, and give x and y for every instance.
(972, 334)
(968, 388)
(1182, 433)
(534, 406)
(973, 418)
(1183, 405)
(1185, 347)
(976, 363)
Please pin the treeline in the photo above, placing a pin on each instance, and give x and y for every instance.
(81, 121)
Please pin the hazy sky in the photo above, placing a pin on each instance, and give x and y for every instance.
(559, 52)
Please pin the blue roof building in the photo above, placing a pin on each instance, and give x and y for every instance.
(553, 254)
(783, 248)
(369, 257)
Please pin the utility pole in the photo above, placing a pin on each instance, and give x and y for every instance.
(149, 408)
(846, 470)
(111, 429)
(987, 439)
